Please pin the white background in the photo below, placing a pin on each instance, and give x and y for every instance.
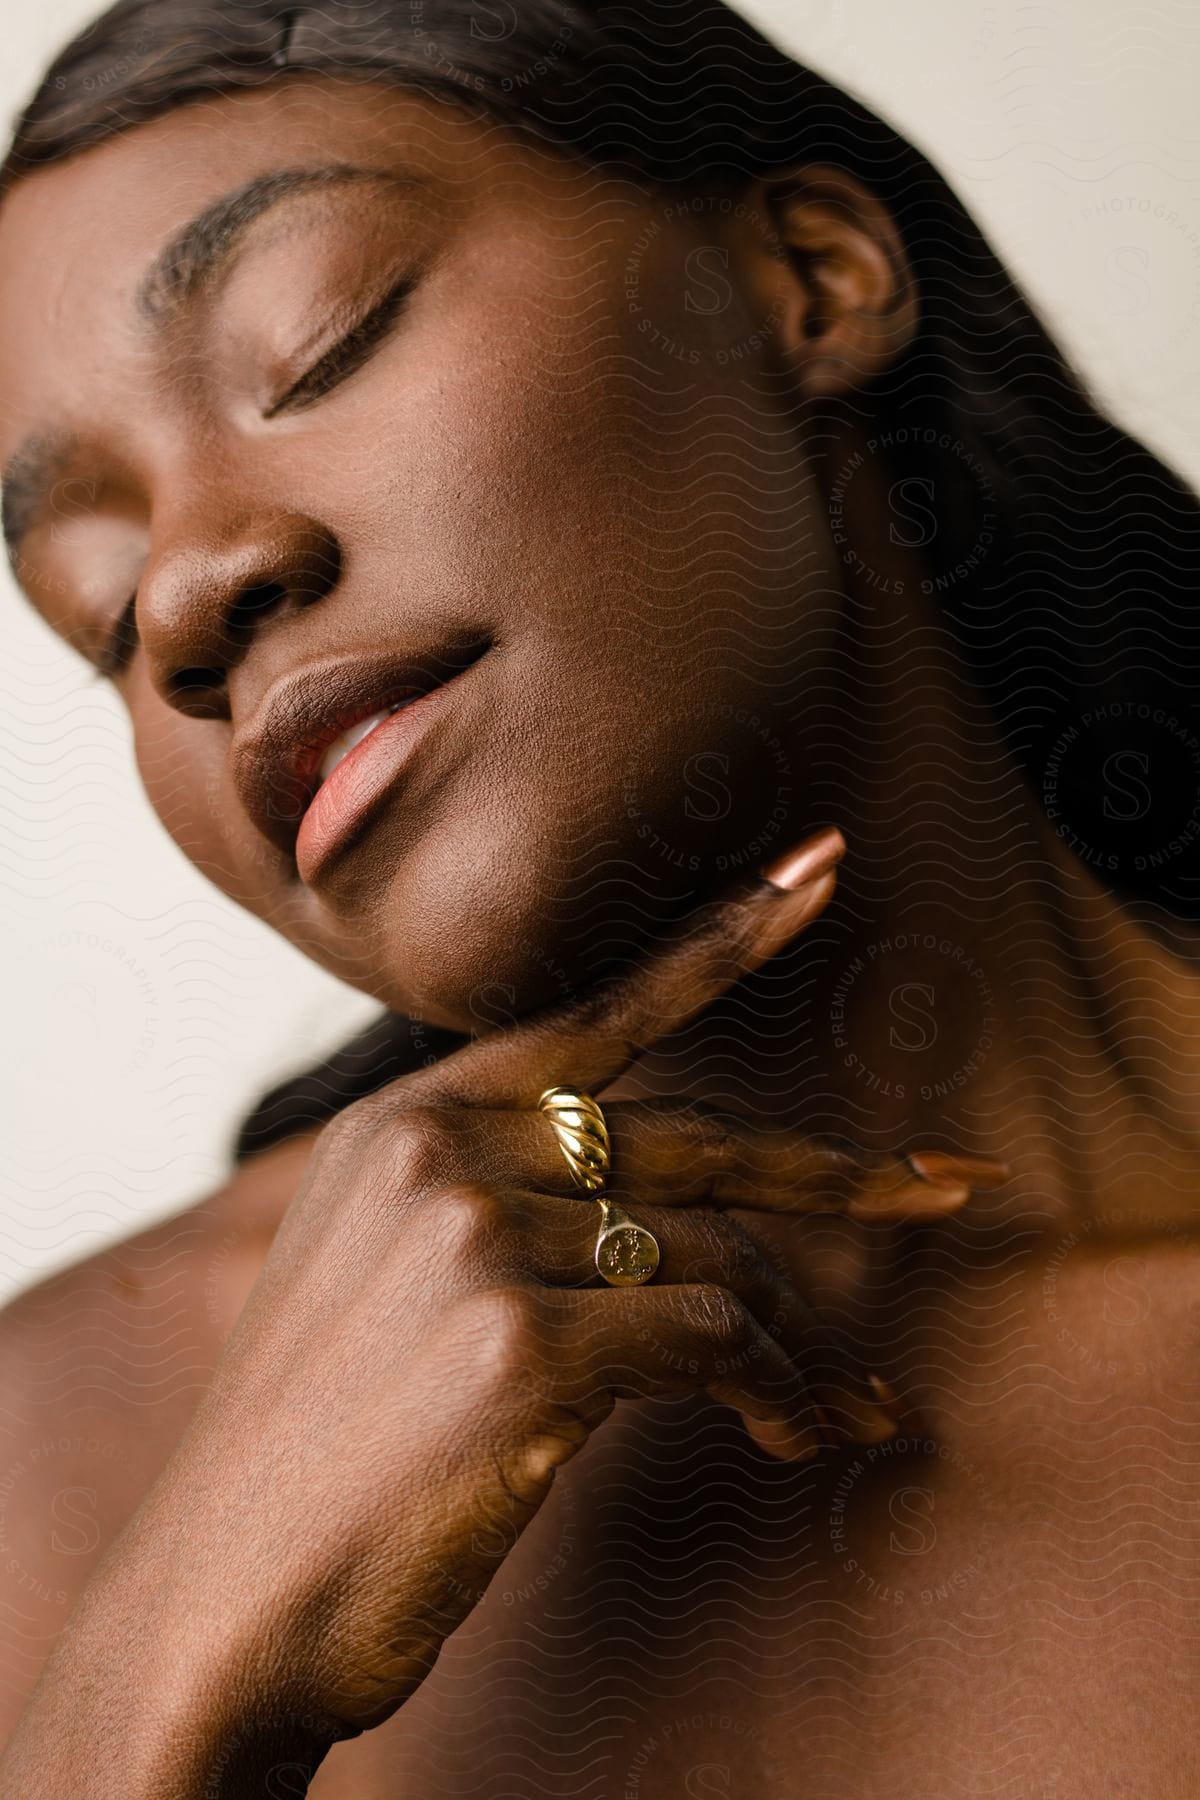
(142, 1012)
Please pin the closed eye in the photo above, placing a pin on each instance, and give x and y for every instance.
(348, 354)
(339, 361)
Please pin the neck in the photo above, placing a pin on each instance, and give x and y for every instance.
(973, 986)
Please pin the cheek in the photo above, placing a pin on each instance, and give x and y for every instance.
(183, 767)
(182, 779)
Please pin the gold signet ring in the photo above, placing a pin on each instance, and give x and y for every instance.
(626, 1253)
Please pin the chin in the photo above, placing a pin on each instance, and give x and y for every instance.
(473, 937)
(473, 914)
(472, 976)
(452, 939)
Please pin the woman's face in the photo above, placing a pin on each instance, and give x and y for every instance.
(550, 482)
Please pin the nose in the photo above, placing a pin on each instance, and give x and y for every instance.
(201, 602)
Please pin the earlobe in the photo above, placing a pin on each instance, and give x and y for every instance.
(846, 303)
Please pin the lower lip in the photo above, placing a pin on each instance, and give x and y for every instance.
(360, 780)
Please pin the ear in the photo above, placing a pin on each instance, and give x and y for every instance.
(842, 298)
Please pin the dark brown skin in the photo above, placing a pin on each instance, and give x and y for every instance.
(627, 528)
(431, 473)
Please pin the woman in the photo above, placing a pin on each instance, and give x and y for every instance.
(532, 473)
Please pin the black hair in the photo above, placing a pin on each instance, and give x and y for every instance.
(383, 1050)
(1068, 553)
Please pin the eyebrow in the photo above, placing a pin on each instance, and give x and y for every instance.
(26, 484)
(188, 262)
(203, 247)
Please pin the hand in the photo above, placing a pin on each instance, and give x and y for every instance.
(429, 1339)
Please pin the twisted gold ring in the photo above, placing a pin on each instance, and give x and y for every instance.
(582, 1135)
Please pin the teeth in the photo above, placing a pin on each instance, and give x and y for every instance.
(349, 740)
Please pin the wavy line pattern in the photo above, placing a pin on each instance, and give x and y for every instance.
(956, 612)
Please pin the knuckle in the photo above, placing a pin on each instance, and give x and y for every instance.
(345, 1134)
(353, 1154)
(723, 1250)
(741, 1255)
(594, 1007)
(721, 1317)
(370, 1113)
(608, 1011)
(711, 1134)
(383, 1159)
(419, 1149)
(471, 1217)
(724, 937)
(513, 1331)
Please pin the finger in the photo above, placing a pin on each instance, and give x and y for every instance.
(628, 1342)
(679, 1153)
(553, 1240)
(710, 1247)
(588, 1042)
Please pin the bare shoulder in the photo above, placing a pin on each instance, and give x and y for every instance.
(101, 1368)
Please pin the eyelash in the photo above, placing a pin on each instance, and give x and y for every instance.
(340, 360)
(348, 354)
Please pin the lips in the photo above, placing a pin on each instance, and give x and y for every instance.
(343, 746)
(277, 756)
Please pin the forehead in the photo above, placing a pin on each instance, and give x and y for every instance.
(77, 237)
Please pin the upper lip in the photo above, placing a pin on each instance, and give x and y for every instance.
(278, 753)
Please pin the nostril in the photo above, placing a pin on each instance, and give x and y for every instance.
(252, 602)
(256, 599)
(200, 693)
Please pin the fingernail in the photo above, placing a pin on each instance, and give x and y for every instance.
(929, 1200)
(974, 1171)
(809, 860)
(885, 1394)
(792, 1443)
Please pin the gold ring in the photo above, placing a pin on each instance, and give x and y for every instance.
(626, 1253)
(582, 1135)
